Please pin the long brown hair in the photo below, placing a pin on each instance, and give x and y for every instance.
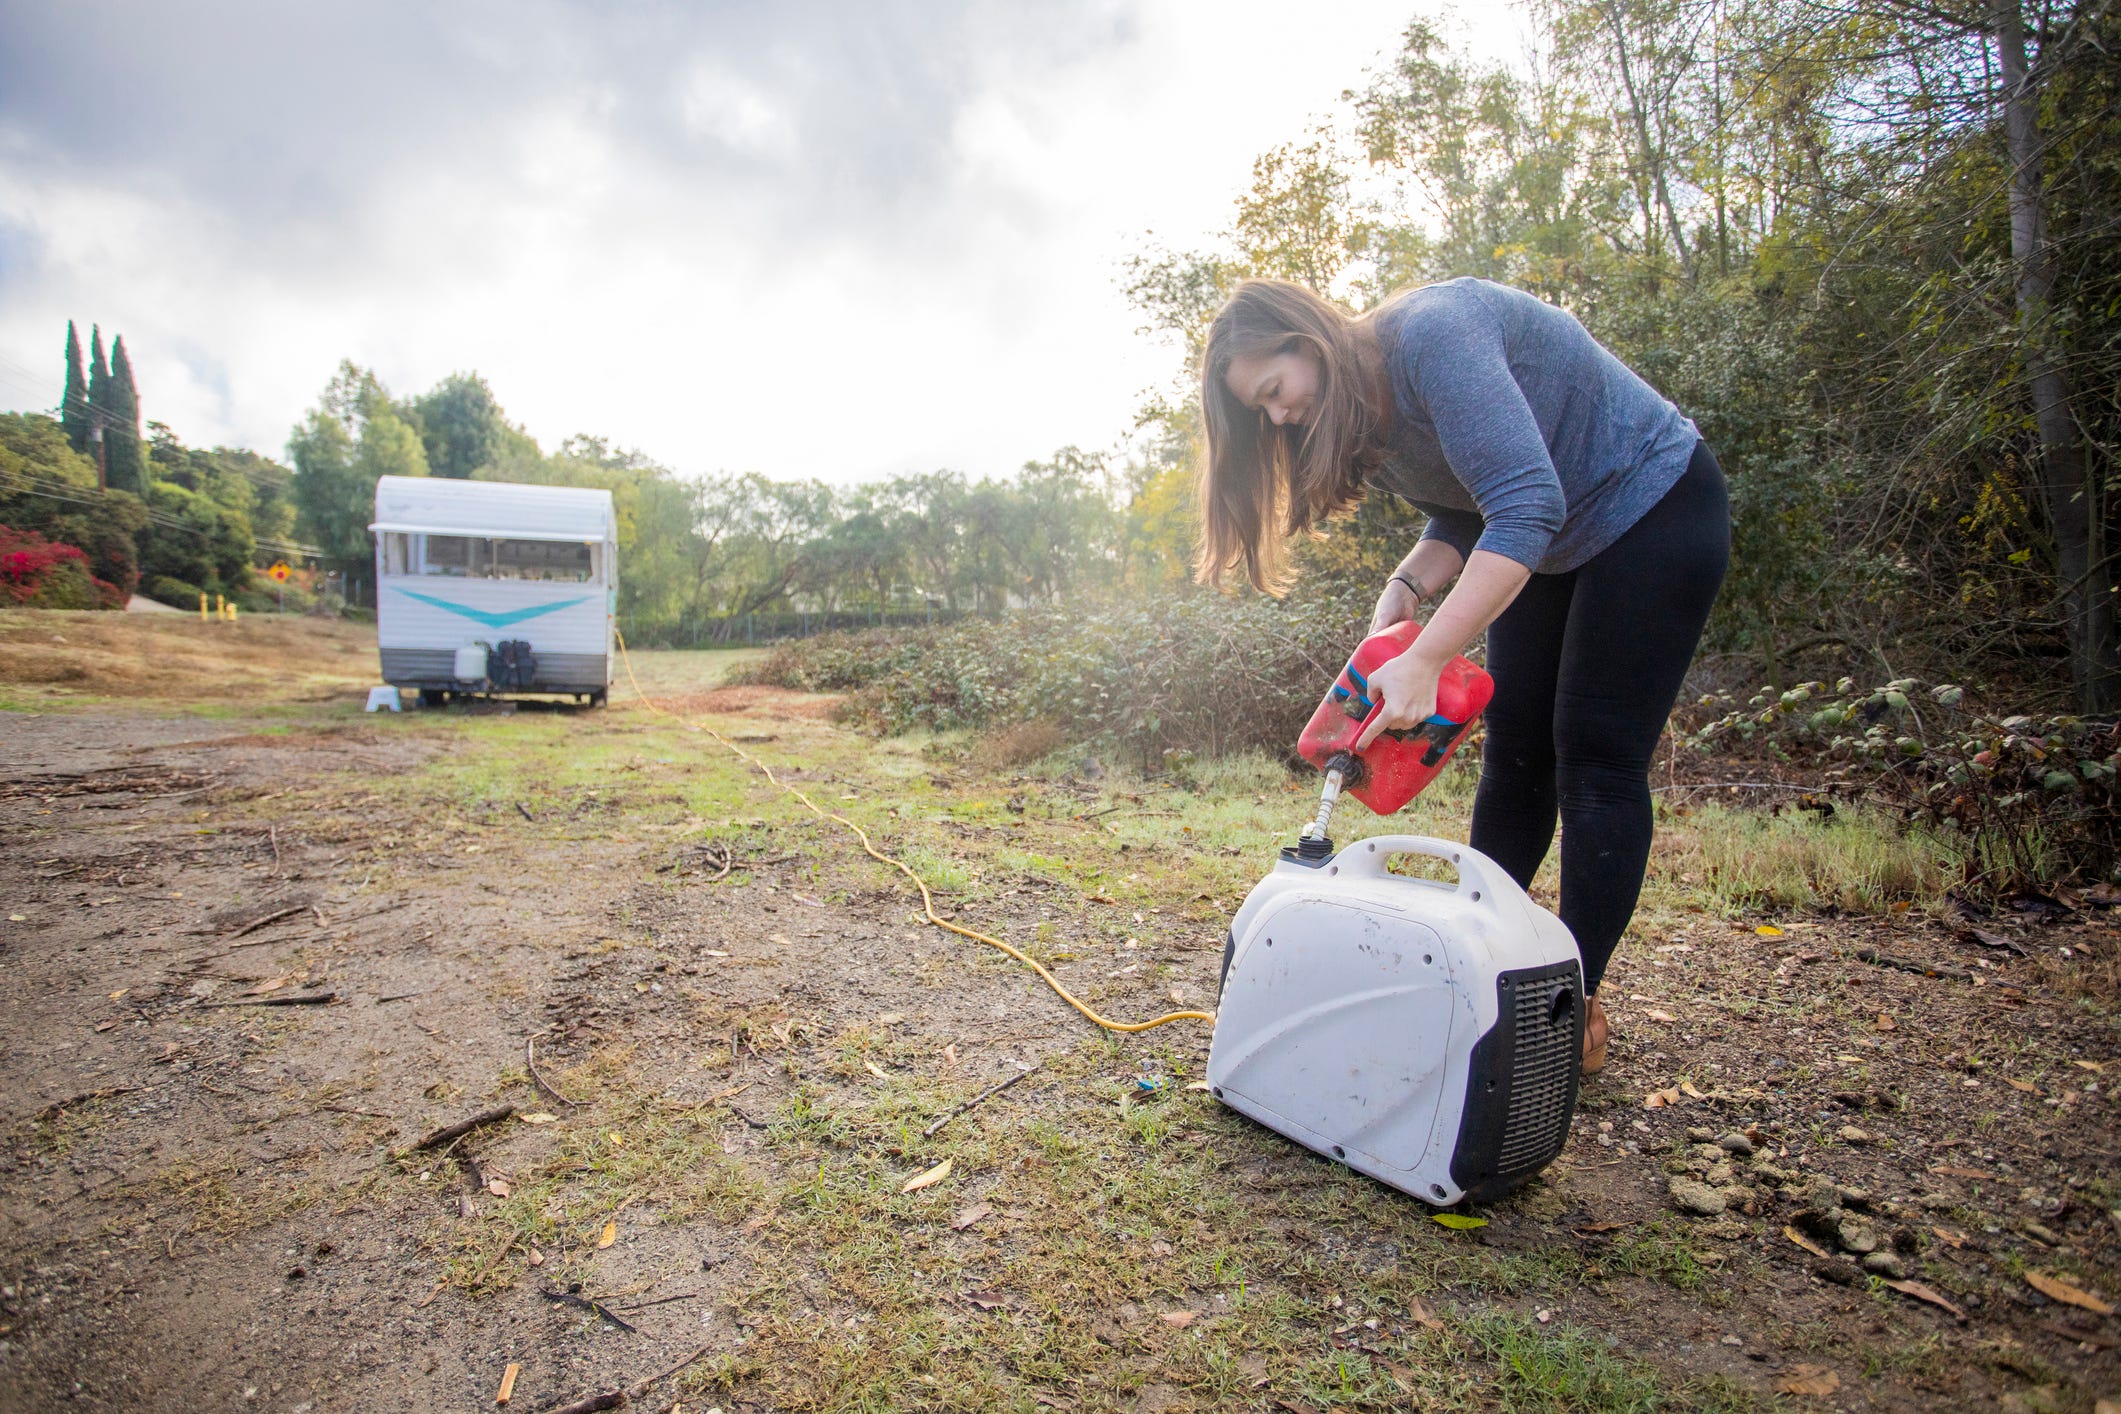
(1263, 485)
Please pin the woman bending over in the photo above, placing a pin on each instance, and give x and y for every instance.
(1583, 518)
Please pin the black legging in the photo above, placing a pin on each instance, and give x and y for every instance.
(1587, 665)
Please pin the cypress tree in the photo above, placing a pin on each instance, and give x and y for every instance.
(73, 405)
(127, 454)
(98, 392)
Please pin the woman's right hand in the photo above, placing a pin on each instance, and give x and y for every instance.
(1395, 606)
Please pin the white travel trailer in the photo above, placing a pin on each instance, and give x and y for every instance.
(491, 586)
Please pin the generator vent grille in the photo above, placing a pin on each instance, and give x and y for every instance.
(1542, 1070)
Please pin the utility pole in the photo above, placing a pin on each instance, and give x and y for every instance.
(95, 434)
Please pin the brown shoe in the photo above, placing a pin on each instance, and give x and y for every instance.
(1594, 1037)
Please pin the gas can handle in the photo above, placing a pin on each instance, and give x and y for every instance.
(1478, 875)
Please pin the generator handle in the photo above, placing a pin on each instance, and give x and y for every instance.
(1477, 874)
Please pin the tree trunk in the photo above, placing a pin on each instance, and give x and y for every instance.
(2070, 492)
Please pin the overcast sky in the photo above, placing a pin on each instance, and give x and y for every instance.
(844, 240)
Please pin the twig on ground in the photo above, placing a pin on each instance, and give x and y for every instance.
(530, 1061)
(524, 811)
(1907, 964)
(463, 1127)
(399, 997)
(614, 1398)
(350, 1110)
(663, 1301)
(568, 1298)
(979, 1099)
(272, 836)
(256, 924)
(301, 999)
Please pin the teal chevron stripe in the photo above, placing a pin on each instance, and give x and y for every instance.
(513, 616)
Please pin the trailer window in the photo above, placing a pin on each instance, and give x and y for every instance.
(475, 557)
(541, 559)
(454, 555)
(397, 552)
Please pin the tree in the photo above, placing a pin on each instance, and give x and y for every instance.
(73, 403)
(350, 439)
(462, 428)
(48, 487)
(125, 459)
(98, 401)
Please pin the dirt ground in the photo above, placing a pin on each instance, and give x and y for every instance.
(258, 946)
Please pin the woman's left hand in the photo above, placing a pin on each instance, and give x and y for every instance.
(1408, 685)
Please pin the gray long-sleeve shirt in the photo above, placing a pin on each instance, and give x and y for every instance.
(1518, 432)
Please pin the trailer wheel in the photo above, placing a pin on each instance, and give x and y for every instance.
(433, 697)
(596, 699)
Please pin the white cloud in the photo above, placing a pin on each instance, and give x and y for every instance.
(841, 241)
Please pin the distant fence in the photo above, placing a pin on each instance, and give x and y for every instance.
(736, 630)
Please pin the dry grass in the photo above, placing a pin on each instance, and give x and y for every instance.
(49, 656)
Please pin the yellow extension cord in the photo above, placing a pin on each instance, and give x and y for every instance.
(927, 900)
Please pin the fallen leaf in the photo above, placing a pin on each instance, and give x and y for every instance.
(2095, 1067)
(2026, 1086)
(1930, 1294)
(1660, 1099)
(618, 1140)
(1178, 998)
(933, 1176)
(1457, 1222)
(119, 993)
(102, 1026)
(891, 1018)
(950, 1054)
(270, 984)
(539, 1118)
(1686, 1088)
(609, 1235)
(498, 1187)
(1199, 1085)
(805, 898)
(1768, 930)
(970, 1216)
(1886, 1023)
(1807, 1244)
(1419, 1313)
(1655, 1015)
(537, 1258)
(874, 1069)
(1809, 1379)
(986, 1300)
(1954, 1240)
(18, 918)
(2057, 1289)
(1180, 1319)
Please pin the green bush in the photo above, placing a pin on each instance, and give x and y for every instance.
(1156, 678)
(173, 592)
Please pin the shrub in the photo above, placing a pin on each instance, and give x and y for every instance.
(2033, 796)
(173, 592)
(50, 574)
(1167, 675)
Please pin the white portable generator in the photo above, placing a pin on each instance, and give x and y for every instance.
(1427, 1034)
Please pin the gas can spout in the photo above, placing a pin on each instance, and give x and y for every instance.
(1314, 838)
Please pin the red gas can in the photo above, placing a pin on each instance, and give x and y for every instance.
(1398, 764)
